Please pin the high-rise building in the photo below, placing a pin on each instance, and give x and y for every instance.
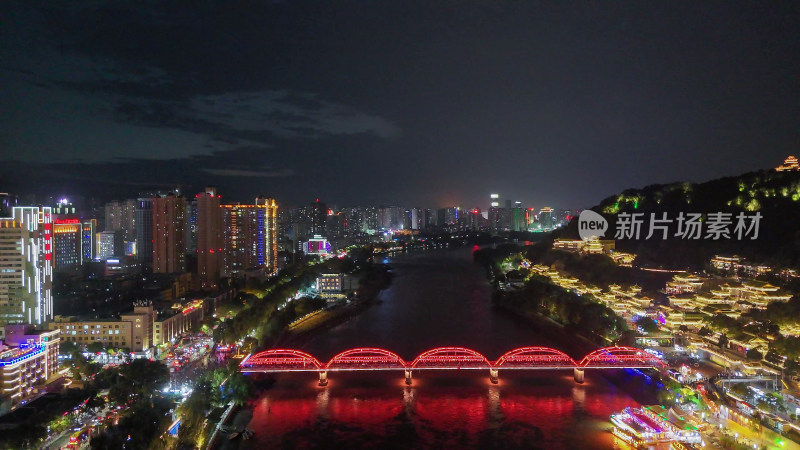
(209, 237)
(530, 218)
(318, 213)
(67, 244)
(250, 236)
(271, 223)
(448, 218)
(518, 219)
(474, 219)
(169, 233)
(88, 239)
(109, 244)
(144, 230)
(495, 215)
(26, 266)
(121, 217)
(191, 227)
(546, 219)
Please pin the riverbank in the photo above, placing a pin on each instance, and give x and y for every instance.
(367, 295)
(324, 320)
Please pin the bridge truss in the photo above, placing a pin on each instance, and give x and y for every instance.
(447, 358)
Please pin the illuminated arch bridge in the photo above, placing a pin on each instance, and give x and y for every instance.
(447, 358)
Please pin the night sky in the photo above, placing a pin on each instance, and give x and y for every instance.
(394, 102)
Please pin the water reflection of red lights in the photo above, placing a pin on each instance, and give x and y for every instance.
(446, 411)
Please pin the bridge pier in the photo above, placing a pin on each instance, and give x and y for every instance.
(408, 377)
(494, 376)
(578, 376)
(323, 378)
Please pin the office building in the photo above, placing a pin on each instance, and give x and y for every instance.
(67, 244)
(137, 331)
(26, 266)
(109, 245)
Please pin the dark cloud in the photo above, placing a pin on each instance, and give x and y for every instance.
(394, 102)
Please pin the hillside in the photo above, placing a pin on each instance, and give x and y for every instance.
(775, 195)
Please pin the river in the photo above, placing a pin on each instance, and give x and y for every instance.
(438, 298)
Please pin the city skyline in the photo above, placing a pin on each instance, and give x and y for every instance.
(430, 105)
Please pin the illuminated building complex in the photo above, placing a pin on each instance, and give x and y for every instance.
(26, 266)
(250, 236)
(790, 164)
(27, 358)
(136, 331)
(209, 237)
(169, 232)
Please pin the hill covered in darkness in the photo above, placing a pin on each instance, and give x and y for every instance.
(775, 195)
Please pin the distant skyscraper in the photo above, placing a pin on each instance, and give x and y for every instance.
(546, 218)
(495, 215)
(121, 217)
(191, 227)
(88, 238)
(109, 244)
(518, 222)
(530, 218)
(475, 219)
(144, 230)
(209, 237)
(318, 213)
(26, 266)
(448, 218)
(169, 233)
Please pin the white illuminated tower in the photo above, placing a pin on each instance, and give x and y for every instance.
(26, 266)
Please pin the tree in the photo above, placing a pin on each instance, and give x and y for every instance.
(95, 347)
(647, 324)
(723, 341)
(754, 355)
(66, 347)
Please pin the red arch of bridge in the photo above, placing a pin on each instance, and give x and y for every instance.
(619, 356)
(287, 360)
(283, 359)
(451, 357)
(540, 356)
(366, 359)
